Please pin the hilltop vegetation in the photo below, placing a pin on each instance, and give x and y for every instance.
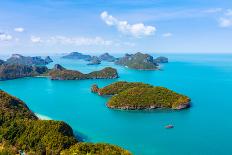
(132, 96)
(21, 130)
(64, 74)
(14, 71)
(95, 149)
(120, 86)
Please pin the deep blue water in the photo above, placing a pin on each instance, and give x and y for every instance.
(204, 129)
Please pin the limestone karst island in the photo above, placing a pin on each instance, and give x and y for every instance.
(115, 77)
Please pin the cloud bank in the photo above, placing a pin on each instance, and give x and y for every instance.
(136, 30)
(5, 37)
(19, 29)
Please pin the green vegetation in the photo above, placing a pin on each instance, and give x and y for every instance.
(137, 61)
(95, 149)
(14, 71)
(137, 95)
(64, 74)
(21, 130)
(120, 86)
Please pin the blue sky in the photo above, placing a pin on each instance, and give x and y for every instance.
(119, 26)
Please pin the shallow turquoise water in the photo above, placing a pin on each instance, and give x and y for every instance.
(204, 129)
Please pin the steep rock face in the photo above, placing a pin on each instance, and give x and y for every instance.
(107, 57)
(64, 74)
(22, 60)
(77, 55)
(94, 61)
(161, 60)
(137, 61)
(14, 71)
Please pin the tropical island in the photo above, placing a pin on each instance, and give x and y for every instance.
(23, 60)
(107, 57)
(140, 61)
(77, 55)
(60, 73)
(139, 96)
(21, 131)
(14, 71)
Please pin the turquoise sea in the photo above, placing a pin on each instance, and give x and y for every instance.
(204, 129)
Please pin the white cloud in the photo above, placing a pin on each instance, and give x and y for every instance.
(5, 37)
(168, 34)
(35, 39)
(226, 21)
(136, 30)
(79, 41)
(19, 29)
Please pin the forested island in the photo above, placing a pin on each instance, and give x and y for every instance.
(140, 61)
(60, 73)
(139, 96)
(22, 132)
(23, 60)
(14, 71)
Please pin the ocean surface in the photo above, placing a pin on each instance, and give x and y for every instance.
(204, 129)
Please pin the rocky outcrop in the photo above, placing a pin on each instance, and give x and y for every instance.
(22, 60)
(107, 57)
(94, 88)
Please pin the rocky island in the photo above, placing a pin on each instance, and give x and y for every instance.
(22, 60)
(161, 60)
(14, 71)
(107, 57)
(60, 73)
(137, 61)
(77, 55)
(94, 61)
(139, 96)
(22, 132)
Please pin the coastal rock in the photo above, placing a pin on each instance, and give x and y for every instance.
(107, 57)
(94, 88)
(22, 60)
(77, 55)
(137, 61)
